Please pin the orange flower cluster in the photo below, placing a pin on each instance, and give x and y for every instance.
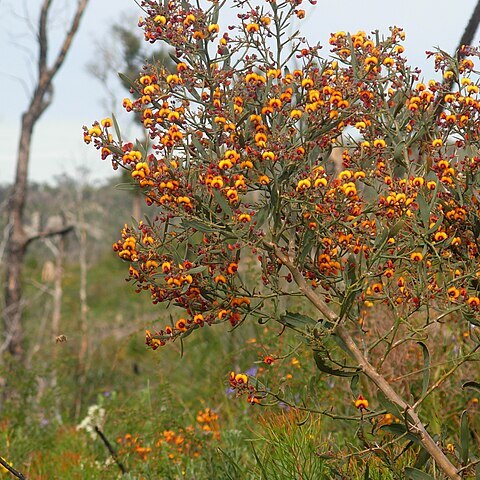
(208, 421)
(132, 444)
(240, 384)
(180, 443)
(175, 443)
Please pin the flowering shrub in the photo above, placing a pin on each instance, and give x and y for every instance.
(241, 166)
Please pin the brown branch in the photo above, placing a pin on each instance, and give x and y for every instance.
(470, 465)
(43, 38)
(470, 30)
(414, 423)
(12, 470)
(68, 38)
(112, 451)
(50, 233)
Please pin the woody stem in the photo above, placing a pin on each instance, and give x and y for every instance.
(410, 415)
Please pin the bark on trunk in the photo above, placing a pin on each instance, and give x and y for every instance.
(17, 240)
(17, 244)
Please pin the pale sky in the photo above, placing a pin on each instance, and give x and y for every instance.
(79, 98)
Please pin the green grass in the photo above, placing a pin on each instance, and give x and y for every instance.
(147, 393)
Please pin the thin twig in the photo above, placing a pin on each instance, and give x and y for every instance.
(112, 451)
(50, 233)
(444, 377)
(470, 465)
(11, 469)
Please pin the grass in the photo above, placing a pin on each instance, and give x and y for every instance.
(152, 399)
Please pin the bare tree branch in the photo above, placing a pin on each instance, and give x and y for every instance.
(19, 80)
(470, 29)
(50, 233)
(43, 38)
(82, 4)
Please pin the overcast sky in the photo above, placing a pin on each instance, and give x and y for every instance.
(79, 98)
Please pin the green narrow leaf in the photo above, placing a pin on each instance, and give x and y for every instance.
(350, 272)
(366, 475)
(422, 458)
(426, 368)
(127, 81)
(349, 300)
(337, 339)
(354, 384)
(273, 198)
(198, 269)
(415, 474)
(197, 226)
(259, 463)
(116, 150)
(296, 320)
(353, 57)
(197, 144)
(389, 406)
(464, 438)
(189, 332)
(471, 384)
(308, 240)
(314, 154)
(262, 215)
(381, 238)
(424, 210)
(125, 187)
(216, 11)
(231, 460)
(141, 149)
(398, 153)
(396, 229)
(117, 128)
(437, 224)
(337, 372)
(224, 205)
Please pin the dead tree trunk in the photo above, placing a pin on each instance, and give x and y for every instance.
(83, 327)
(18, 240)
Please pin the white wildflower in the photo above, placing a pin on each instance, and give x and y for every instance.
(95, 418)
